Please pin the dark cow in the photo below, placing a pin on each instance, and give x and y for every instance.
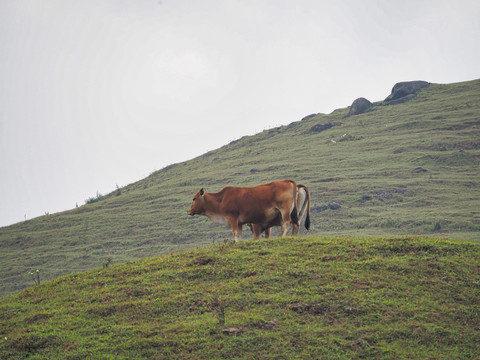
(272, 204)
(303, 203)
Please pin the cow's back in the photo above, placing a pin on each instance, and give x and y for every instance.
(258, 204)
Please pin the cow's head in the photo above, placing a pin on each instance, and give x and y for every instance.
(198, 204)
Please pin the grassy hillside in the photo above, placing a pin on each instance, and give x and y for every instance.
(289, 298)
(411, 168)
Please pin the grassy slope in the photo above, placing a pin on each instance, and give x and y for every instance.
(439, 131)
(289, 298)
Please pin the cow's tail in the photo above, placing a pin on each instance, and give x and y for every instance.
(294, 213)
(307, 219)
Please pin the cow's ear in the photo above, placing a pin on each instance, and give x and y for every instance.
(202, 192)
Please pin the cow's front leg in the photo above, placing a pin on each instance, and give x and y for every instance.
(256, 230)
(268, 232)
(237, 235)
(236, 229)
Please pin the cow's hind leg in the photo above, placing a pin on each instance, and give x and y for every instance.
(296, 229)
(284, 228)
(285, 221)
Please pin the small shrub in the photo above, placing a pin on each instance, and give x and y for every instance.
(35, 276)
(219, 307)
(95, 199)
(107, 262)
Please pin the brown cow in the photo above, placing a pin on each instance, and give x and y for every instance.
(303, 203)
(269, 204)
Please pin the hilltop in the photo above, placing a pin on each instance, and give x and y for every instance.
(410, 168)
(289, 298)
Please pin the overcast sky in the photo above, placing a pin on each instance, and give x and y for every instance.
(100, 93)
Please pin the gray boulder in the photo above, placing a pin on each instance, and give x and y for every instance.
(321, 127)
(405, 91)
(317, 209)
(309, 116)
(359, 106)
(334, 205)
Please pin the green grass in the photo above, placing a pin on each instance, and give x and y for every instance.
(289, 298)
(438, 131)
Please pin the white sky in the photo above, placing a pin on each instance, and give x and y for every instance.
(99, 93)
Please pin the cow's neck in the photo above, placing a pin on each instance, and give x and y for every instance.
(212, 202)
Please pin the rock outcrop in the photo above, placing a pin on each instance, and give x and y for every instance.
(359, 106)
(321, 127)
(405, 91)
